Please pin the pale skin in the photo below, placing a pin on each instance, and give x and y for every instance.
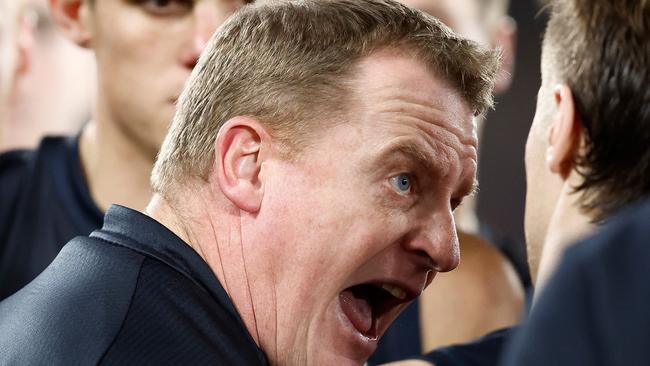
(554, 218)
(254, 220)
(484, 292)
(144, 52)
(39, 101)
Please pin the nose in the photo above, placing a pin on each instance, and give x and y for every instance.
(207, 17)
(437, 240)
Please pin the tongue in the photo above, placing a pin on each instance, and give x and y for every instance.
(358, 310)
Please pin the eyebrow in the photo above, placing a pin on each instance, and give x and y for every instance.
(472, 191)
(422, 157)
(414, 151)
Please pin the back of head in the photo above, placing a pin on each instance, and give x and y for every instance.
(599, 48)
(291, 65)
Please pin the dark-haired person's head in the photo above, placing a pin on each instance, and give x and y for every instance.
(588, 148)
(314, 162)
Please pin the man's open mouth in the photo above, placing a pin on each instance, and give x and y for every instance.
(365, 304)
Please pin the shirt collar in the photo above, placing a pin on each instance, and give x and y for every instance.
(143, 234)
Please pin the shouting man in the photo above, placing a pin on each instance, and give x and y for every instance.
(303, 198)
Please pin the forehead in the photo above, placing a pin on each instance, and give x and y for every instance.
(403, 86)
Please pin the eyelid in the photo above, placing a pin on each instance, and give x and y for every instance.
(174, 8)
(413, 180)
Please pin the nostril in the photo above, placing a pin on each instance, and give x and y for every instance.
(447, 263)
(192, 63)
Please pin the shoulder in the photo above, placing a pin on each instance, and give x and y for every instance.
(17, 162)
(14, 168)
(78, 303)
(20, 169)
(482, 351)
(596, 301)
(620, 242)
(16, 173)
(612, 264)
(173, 319)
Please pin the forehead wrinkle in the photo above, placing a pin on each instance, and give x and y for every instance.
(436, 135)
(428, 112)
(417, 152)
(435, 161)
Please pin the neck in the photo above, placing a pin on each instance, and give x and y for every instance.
(213, 229)
(568, 224)
(116, 171)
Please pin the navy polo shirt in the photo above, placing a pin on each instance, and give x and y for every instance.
(130, 293)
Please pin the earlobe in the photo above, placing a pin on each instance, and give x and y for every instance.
(564, 134)
(238, 162)
(72, 17)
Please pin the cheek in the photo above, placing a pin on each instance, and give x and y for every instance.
(137, 46)
(535, 149)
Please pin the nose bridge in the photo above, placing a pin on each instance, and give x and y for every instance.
(207, 19)
(437, 237)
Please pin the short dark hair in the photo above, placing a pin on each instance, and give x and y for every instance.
(601, 49)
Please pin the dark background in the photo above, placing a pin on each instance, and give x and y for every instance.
(501, 158)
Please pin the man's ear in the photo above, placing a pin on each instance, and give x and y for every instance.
(72, 17)
(504, 38)
(238, 161)
(565, 133)
(25, 33)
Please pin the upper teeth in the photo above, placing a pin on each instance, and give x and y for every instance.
(396, 291)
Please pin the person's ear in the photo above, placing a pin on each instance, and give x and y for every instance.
(73, 19)
(504, 38)
(565, 133)
(25, 34)
(238, 161)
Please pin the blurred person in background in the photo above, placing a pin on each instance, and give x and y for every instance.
(144, 51)
(47, 82)
(484, 293)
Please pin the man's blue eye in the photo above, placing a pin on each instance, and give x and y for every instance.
(402, 183)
